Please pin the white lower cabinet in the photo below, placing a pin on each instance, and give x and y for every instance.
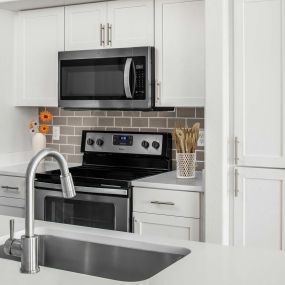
(166, 226)
(166, 213)
(259, 208)
(12, 196)
(12, 207)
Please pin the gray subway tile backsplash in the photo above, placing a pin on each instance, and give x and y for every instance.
(140, 122)
(73, 122)
(90, 121)
(157, 123)
(122, 122)
(106, 121)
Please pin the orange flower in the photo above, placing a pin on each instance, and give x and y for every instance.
(45, 116)
(43, 129)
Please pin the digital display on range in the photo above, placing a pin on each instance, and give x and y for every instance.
(122, 140)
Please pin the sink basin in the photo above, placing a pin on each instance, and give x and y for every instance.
(104, 260)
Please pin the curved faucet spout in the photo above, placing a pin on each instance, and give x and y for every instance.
(66, 181)
(27, 246)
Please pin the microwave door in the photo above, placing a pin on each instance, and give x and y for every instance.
(129, 78)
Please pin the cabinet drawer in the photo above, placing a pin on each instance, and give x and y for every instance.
(13, 187)
(11, 202)
(12, 207)
(167, 202)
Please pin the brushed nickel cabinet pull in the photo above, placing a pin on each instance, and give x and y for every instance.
(158, 92)
(236, 183)
(236, 150)
(102, 35)
(162, 203)
(10, 188)
(109, 34)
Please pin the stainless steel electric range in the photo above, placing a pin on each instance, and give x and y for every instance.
(111, 161)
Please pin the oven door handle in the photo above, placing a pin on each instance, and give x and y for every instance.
(127, 78)
(81, 189)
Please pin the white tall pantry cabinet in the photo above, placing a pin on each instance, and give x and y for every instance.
(260, 208)
(259, 102)
(259, 83)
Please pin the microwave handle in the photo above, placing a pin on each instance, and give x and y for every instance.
(128, 66)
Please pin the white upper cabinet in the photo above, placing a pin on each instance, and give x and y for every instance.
(180, 52)
(259, 83)
(259, 208)
(85, 26)
(40, 37)
(130, 23)
(113, 24)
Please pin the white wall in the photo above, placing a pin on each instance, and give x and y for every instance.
(217, 14)
(14, 135)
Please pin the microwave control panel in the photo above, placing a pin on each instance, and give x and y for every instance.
(140, 79)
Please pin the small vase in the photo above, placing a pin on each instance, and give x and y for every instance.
(39, 142)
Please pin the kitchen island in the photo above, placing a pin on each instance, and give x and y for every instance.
(206, 264)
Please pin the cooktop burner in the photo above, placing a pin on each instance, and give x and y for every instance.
(99, 176)
(114, 159)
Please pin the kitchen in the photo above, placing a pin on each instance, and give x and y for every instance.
(196, 56)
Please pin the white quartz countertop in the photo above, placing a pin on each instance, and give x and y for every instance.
(19, 170)
(207, 264)
(169, 181)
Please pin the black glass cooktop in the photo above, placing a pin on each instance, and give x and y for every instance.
(99, 176)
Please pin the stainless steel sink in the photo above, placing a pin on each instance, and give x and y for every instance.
(107, 261)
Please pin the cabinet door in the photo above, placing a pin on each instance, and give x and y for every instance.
(85, 26)
(166, 226)
(40, 37)
(259, 208)
(259, 82)
(132, 23)
(12, 207)
(180, 52)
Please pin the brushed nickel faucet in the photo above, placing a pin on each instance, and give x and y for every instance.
(27, 246)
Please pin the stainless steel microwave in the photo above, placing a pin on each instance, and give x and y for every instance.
(120, 78)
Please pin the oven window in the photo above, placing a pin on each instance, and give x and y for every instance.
(81, 213)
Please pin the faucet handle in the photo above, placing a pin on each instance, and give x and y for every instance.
(12, 228)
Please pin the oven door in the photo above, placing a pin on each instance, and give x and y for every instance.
(91, 210)
(106, 79)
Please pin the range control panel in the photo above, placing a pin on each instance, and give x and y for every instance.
(133, 143)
